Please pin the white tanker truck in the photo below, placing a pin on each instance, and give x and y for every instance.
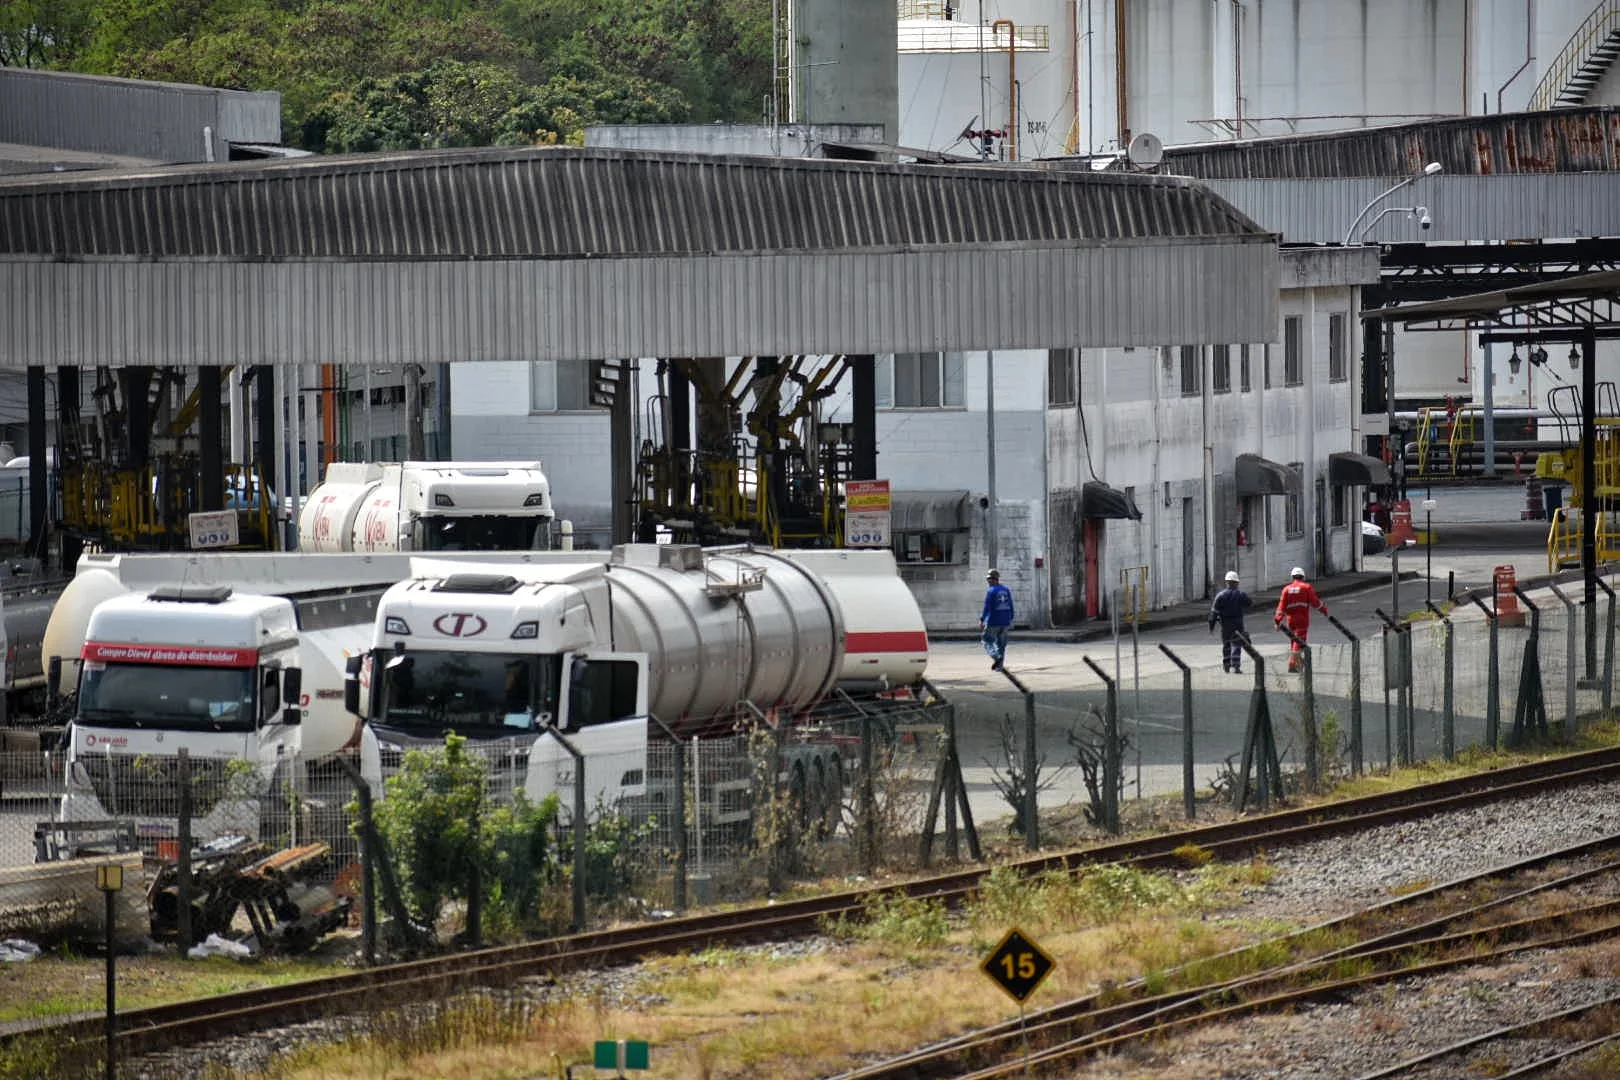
(428, 506)
(145, 641)
(697, 638)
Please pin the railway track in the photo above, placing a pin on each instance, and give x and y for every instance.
(147, 1030)
(1461, 922)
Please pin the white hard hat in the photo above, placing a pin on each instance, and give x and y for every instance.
(1231, 575)
(1296, 572)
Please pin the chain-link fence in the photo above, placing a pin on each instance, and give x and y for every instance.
(451, 849)
(1460, 676)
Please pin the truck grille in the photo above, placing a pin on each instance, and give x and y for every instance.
(149, 785)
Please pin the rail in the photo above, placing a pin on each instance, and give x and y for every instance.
(1583, 43)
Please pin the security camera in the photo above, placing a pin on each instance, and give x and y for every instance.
(1424, 220)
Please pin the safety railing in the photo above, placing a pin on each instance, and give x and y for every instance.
(1583, 43)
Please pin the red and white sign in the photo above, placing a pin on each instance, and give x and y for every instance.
(188, 655)
(867, 506)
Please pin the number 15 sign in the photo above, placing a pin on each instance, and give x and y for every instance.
(1017, 965)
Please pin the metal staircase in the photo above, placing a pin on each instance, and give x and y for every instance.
(1582, 62)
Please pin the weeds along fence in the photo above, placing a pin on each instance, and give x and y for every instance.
(1433, 685)
(451, 849)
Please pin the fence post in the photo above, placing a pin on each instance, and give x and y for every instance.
(1355, 695)
(1608, 651)
(1259, 742)
(1493, 696)
(1530, 710)
(1186, 733)
(1307, 711)
(368, 895)
(681, 838)
(1569, 659)
(1390, 750)
(1032, 820)
(183, 868)
(1448, 714)
(1111, 754)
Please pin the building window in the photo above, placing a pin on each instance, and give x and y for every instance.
(1192, 371)
(1244, 383)
(1220, 369)
(559, 385)
(1062, 386)
(1293, 506)
(920, 381)
(1265, 365)
(935, 546)
(1338, 368)
(1293, 362)
(1341, 508)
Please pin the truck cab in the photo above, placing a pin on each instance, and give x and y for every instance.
(504, 662)
(191, 668)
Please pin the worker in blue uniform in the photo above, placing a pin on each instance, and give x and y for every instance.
(1227, 609)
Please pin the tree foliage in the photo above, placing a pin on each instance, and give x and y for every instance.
(411, 74)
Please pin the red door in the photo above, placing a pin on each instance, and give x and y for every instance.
(1090, 543)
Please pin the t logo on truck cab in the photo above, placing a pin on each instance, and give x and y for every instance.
(460, 624)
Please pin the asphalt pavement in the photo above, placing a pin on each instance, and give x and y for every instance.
(1476, 530)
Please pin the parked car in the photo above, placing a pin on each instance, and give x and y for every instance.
(1372, 539)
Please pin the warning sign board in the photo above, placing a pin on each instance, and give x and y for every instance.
(867, 508)
(1017, 965)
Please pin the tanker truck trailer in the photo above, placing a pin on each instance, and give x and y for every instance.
(699, 639)
(428, 506)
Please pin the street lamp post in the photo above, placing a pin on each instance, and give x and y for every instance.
(1428, 551)
(1395, 577)
(1428, 170)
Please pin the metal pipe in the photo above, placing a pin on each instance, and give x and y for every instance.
(1121, 108)
(1072, 141)
(1012, 83)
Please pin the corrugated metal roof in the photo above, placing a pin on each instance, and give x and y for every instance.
(587, 202)
(1562, 140)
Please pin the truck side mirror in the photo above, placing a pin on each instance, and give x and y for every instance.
(351, 684)
(292, 693)
(53, 678)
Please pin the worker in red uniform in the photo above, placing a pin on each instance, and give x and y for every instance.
(1294, 608)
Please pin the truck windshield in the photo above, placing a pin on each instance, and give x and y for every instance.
(180, 698)
(472, 693)
(496, 532)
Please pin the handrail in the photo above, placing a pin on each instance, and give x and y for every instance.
(1575, 53)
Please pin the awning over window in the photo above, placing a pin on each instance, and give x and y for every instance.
(1098, 500)
(928, 511)
(1346, 469)
(1262, 476)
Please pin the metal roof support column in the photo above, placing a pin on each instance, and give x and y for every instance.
(1590, 510)
(1488, 399)
(210, 435)
(863, 386)
(37, 476)
(67, 427)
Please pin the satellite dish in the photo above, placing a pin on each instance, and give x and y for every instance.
(967, 130)
(1145, 151)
